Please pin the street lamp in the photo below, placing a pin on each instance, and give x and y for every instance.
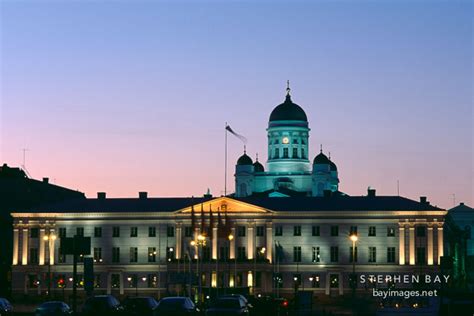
(353, 237)
(200, 242)
(50, 238)
(231, 237)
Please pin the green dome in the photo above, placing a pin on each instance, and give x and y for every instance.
(244, 160)
(288, 111)
(258, 167)
(321, 159)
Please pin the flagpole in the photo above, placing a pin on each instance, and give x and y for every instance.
(225, 163)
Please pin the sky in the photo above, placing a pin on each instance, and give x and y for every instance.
(128, 96)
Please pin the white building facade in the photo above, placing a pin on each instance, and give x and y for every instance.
(153, 246)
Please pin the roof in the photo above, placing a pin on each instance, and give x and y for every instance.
(461, 208)
(286, 204)
(339, 203)
(118, 205)
(244, 160)
(288, 111)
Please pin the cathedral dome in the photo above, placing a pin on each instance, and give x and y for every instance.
(244, 160)
(288, 111)
(321, 159)
(258, 167)
(332, 166)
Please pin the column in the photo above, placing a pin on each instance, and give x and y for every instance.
(411, 241)
(121, 283)
(440, 244)
(16, 236)
(430, 245)
(232, 244)
(24, 257)
(42, 248)
(51, 246)
(179, 241)
(250, 242)
(269, 244)
(214, 242)
(401, 246)
(109, 283)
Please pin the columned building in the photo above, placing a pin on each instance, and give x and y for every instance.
(158, 246)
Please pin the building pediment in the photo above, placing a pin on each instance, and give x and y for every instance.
(224, 204)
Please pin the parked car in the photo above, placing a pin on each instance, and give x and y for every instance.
(5, 307)
(228, 306)
(53, 308)
(176, 306)
(140, 306)
(270, 305)
(102, 305)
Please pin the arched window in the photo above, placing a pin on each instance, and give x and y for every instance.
(243, 189)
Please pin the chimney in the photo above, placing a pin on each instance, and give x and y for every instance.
(423, 200)
(327, 193)
(101, 195)
(462, 203)
(45, 180)
(143, 195)
(370, 192)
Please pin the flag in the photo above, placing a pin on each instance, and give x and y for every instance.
(241, 137)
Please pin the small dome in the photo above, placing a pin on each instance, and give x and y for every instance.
(321, 159)
(288, 111)
(332, 165)
(258, 167)
(244, 160)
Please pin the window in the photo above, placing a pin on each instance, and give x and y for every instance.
(241, 231)
(391, 254)
(152, 280)
(315, 281)
(115, 280)
(241, 253)
(276, 155)
(188, 231)
(334, 278)
(33, 255)
(279, 231)
(62, 232)
(206, 253)
(151, 254)
(61, 256)
(353, 230)
(80, 231)
(420, 255)
(133, 254)
(352, 254)
(372, 254)
(420, 231)
(295, 153)
(116, 231)
(224, 253)
(296, 230)
(170, 253)
(285, 152)
(390, 231)
(151, 231)
(295, 140)
(34, 232)
(372, 231)
(303, 154)
(334, 254)
(334, 231)
(170, 231)
(97, 280)
(115, 254)
(133, 231)
(98, 255)
(296, 254)
(316, 254)
(260, 231)
(315, 231)
(97, 232)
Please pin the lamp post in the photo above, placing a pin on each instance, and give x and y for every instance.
(230, 238)
(50, 238)
(200, 242)
(260, 252)
(353, 238)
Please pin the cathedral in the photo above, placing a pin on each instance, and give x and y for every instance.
(289, 171)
